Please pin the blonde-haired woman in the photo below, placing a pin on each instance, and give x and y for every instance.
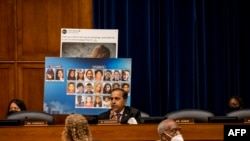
(76, 129)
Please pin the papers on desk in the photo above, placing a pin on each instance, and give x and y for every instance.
(132, 120)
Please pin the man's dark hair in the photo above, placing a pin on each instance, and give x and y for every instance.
(89, 84)
(79, 85)
(125, 84)
(124, 93)
(99, 71)
(116, 84)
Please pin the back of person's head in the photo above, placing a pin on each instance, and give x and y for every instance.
(20, 106)
(76, 129)
(101, 51)
(235, 103)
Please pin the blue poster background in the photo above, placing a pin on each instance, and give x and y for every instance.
(56, 99)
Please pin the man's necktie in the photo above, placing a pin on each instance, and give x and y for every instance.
(118, 116)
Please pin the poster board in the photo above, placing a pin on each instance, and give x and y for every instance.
(89, 43)
(62, 94)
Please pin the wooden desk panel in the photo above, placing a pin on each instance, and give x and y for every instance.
(142, 132)
(203, 132)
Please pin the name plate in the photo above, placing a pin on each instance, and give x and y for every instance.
(185, 121)
(35, 123)
(108, 122)
(247, 120)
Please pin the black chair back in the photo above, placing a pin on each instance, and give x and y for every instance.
(32, 116)
(241, 114)
(196, 114)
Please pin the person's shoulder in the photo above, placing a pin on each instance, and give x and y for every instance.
(133, 112)
(132, 108)
(104, 115)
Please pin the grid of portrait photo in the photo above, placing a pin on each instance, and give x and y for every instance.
(54, 74)
(92, 87)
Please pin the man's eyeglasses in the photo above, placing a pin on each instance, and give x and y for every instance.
(174, 130)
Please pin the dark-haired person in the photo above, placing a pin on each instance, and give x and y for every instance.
(107, 75)
(116, 75)
(80, 102)
(80, 75)
(59, 74)
(15, 105)
(119, 110)
(80, 88)
(116, 85)
(98, 75)
(89, 75)
(89, 88)
(107, 88)
(50, 74)
(125, 87)
(98, 101)
(71, 88)
(235, 103)
(71, 74)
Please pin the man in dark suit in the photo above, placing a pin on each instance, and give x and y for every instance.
(119, 110)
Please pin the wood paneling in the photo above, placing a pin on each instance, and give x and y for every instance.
(141, 132)
(39, 24)
(30, 84)
(7, 87)
(7, 30)
(30, 31)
